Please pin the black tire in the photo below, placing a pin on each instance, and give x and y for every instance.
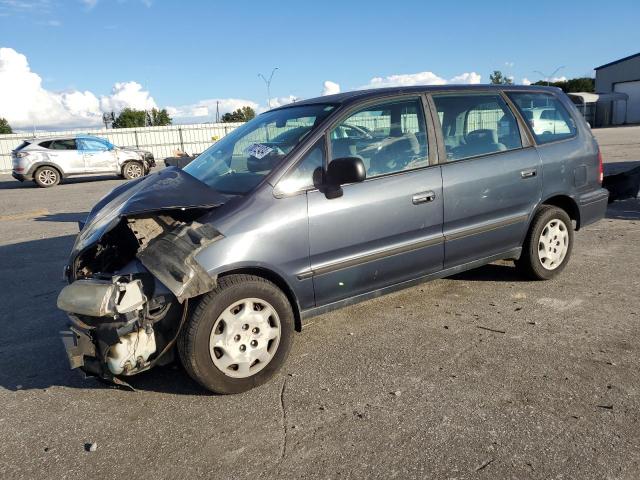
(530, 263)
(193, 342)
(133, 169)
(46, 177)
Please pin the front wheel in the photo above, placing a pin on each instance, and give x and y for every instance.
(132, 170)
(548, 244)
(238, 336)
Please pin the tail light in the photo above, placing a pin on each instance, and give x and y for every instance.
(22, 154)
(600, 168)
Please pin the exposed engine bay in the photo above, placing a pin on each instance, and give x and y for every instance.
(128, 293)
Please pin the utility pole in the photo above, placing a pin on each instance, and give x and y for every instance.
(217, 111)
(268, 84)
(548, 77)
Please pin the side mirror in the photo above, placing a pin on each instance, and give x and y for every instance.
(342, 171)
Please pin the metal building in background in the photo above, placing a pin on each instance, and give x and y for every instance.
(619, 77)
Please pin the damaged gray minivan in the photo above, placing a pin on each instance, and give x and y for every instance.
(318, 205)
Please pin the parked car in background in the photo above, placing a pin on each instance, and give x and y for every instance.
(48, 160)
(545, 121)
(303, 210)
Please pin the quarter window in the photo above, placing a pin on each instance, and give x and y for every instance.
(475, 125)
(389, 137)
(548, 118)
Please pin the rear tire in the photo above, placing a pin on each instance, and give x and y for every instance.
(548, 245)
(238, 336)
(46, 177)
(133, 169)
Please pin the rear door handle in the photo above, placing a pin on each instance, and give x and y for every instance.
(423, 197)
(528, 173)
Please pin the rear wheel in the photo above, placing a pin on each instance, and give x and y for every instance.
(548, 245)
(46, 177)
(238, 336)
(132, 170)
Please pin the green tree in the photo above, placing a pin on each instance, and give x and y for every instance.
(129, 118)
(4, 126)
(582, 84)
(243, 114)
(497, 78)
(159, 118)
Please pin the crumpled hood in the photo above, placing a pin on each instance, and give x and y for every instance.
(168, 189)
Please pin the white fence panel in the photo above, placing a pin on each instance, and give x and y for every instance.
(161, 141)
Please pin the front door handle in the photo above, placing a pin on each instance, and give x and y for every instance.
(423, 197)
(528, 173)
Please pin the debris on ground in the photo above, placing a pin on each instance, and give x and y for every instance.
(485, 465)
(397, 393)
(606, 407)
(490, 329)
(91, 447)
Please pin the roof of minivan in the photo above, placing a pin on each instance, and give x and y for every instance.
(349, 97)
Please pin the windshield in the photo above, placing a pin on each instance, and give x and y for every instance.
(240, 160)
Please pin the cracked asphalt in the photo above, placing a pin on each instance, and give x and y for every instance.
(482, 375)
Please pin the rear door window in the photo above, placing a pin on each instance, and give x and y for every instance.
(476, 124)
(552, 122)
(66, 144)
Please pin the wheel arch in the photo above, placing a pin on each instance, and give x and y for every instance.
(566, 203)
(129, 160)
(278, 281)
(37, 165)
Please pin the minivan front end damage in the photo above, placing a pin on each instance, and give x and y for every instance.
(131, 275)
(124, 322)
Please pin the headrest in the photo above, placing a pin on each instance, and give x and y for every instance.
(483, 136)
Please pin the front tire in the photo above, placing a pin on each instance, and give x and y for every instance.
(46, 177)
(548, 244)
(132, 170)
(238, 336)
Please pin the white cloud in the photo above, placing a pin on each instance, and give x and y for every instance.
(405, 80)
(205, 110)
(420, 78)
(509, 64)
(330, 88)
(280, 101)
(127, 94)
(558, 79)
(24, 102)
(89, 3)
(526, 81)
(471, 78)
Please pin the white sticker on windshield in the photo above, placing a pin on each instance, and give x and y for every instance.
(258, 150)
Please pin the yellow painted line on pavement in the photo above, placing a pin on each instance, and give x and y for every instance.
(25, 215)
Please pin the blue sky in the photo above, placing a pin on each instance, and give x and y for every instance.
(186, 52)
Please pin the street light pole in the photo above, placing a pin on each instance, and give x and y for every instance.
(547, 77)
(268, 84)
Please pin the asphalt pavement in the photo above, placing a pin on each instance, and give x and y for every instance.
(482, 375)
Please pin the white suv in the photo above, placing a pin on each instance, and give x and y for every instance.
(48, 160)
(546, 121)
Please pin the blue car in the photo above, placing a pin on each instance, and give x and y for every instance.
(317, 205)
